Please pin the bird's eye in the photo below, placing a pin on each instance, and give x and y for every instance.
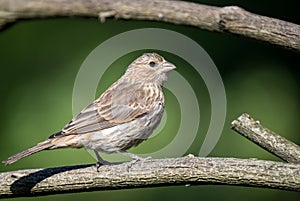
(152, 63)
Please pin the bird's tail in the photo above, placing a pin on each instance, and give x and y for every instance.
(39, 147)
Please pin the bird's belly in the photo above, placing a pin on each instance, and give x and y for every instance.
(123, 136)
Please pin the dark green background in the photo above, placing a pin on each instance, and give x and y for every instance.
(39, 60)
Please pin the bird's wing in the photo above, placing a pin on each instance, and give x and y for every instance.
(125, 103)
(115, 106)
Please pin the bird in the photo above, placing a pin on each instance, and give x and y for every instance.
(124, 115)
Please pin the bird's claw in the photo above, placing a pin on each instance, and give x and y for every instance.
(98, 165)
(135, 160)
(101, 163)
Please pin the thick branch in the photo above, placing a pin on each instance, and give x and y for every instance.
(267, 139)
(159, 172)
(230, 19)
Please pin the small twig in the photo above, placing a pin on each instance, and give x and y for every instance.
(188, 170)
(267, 139)
(231, 19)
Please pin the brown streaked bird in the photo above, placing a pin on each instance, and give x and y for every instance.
(122, 117)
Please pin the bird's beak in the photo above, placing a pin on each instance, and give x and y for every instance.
(167, 66)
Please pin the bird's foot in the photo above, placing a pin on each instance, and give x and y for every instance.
(135, 160)
(101, 163)
(98, 165)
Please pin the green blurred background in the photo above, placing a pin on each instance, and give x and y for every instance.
(39, 60)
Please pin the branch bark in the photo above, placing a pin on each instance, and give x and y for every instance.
(229, 19)
(188, 170)
(266, 138)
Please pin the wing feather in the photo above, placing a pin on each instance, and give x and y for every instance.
(117, 105)
(125, 104)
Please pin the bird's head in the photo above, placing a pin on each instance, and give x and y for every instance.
(150, 67)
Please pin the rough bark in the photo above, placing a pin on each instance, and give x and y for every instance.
(187, 171)
(266, 138)
(231, 19)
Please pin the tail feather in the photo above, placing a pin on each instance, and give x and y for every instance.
(37, 148)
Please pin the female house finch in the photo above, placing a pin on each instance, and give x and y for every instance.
(122, 117)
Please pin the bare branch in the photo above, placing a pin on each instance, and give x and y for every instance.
(230, 19)
(188, 170)
(267, 139)
(150, 173)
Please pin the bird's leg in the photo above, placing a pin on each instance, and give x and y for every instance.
(135, 158)
(100, 161)
(132, 156)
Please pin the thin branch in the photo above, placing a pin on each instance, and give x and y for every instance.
(187, 171)
(267, 139)
(229, 19)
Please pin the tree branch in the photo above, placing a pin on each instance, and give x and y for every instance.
(230, 19)
(159, 172)
(187, 170)
(266, 139)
